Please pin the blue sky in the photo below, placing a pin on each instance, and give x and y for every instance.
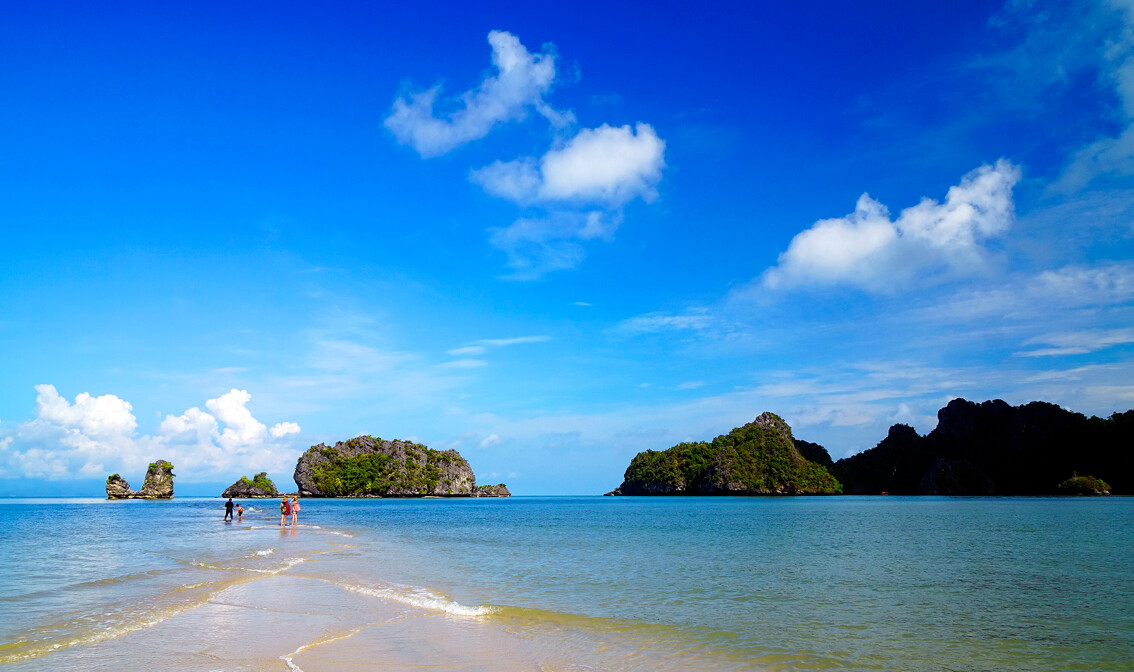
(549, 238)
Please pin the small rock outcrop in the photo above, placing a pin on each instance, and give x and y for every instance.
(159, 481)
(158, 484)
(366, 466)
(118, 488)
(259, 486)
(759, 458)
(498, 490)
(1084, 485)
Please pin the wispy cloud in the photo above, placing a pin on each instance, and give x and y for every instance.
(521, 81)
(1078, 342)
(465, 364)
(1109, 155)
(483, 345)
(651, 323)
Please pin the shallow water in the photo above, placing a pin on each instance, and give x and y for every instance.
(881, 583)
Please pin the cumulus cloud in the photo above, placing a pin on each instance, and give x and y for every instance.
(520, 83)
(97, 435)
(608, 165)
(579, 186)
(931, 239)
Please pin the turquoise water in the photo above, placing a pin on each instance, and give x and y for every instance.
(882, 583)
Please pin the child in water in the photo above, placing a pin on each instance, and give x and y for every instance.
(294, 511)
(239, 513)
(285, 510)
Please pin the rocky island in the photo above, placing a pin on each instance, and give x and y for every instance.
(259, 487)
(366, 466)
(993, 448)
(158, 484)
(760, 458)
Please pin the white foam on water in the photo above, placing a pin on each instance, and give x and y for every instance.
(422, 598)
(275, 570)
(287, 658)
(265, 552)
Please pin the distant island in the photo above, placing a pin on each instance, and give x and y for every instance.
(366, 466)
(760, 458)
(988, 448)
(992, 448)
(260, 486)
(158, 484)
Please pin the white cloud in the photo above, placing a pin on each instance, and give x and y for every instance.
(482, 346)
(691, 385)
(95, 436)
(607, 165)
(1077, 342)
(1110, 155)
(518, 340)
(106, 416)
(868, 250)
(1034, 295)
(281, 429)
(660, 322)
(490, 441)
(537, 246)
(465, 364)
(520, 82)
(242, 429)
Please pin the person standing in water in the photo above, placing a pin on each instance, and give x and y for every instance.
(285, 510)
(228, 509)
(239, 512)
(294, 511)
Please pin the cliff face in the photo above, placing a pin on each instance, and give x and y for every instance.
(994, 448)
(365, 466)
(759, 458)
(158, 484)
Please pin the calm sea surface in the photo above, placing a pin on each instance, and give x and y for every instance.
(882, 583)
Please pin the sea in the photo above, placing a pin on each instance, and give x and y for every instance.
(570, 584)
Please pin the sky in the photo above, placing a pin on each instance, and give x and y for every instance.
(548, 237)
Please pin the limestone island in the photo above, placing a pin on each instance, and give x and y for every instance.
(366, 466)
(993, 448)
(760, 458)
(157, 485)
(259, 487)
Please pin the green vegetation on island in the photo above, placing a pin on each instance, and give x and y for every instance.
(1084, 485)
(378, 473)
(368, 466)
(260, 480)
(259, 486)
(759, 458)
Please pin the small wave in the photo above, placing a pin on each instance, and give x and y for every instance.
(275, 570)
(326, 639)
(265, 552)
(121, 624)
(420, 597)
